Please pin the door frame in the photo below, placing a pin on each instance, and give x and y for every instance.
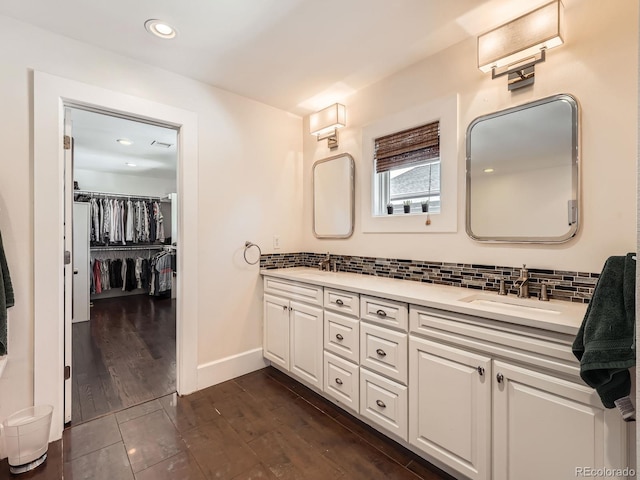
(50, 95)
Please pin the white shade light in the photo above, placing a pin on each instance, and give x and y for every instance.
(521, 38)
(328, 119)
(326, 122)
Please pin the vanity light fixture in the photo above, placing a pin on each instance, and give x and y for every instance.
(128, 164)
(515, 48)
(488, 170)
(160, 29)
(124, 141)
(325, 123)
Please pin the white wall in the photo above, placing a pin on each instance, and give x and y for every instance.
(120, 183)
(245, 149)
(598, 65)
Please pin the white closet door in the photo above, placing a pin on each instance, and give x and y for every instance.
(81, 267)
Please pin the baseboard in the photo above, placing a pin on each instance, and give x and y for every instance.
(227, 368)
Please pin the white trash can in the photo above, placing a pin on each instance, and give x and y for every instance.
(26, 436)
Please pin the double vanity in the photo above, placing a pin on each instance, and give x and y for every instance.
(482, 385)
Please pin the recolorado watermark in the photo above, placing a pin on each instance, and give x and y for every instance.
(591, 472)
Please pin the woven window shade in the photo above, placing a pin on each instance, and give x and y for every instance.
(407, 148)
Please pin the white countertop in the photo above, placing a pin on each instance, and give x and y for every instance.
(554, 315)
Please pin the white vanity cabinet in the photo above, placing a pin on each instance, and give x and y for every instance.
(547, 427)
(384, 364)
(450, 406)
(481, 396)
(342, 347)
(293, 328)
(489, 404)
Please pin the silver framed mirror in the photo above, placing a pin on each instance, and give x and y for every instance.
(523, 173)
(333, 197)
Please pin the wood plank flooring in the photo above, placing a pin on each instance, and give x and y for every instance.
(263, 425)
(125, 355)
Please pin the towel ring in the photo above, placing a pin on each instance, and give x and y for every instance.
(247, 246)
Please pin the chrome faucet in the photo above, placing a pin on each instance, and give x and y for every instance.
(522, 283)
(325, 264)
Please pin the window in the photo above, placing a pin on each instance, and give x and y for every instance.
(407, 166)
(375, 188)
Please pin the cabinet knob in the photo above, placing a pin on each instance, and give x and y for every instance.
(500, 378)
(381, 352)
(381, 404)
(339, 337)
(480, 370)
(338, 381)
(339, 302)
(285, 307)
(382, 313)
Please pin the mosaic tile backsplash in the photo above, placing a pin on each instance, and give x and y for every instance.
(562, 285)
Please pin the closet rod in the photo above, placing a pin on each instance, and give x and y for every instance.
(131, 248)
(120, 195)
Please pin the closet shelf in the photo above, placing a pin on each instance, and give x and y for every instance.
(91, 193)
(127, 248)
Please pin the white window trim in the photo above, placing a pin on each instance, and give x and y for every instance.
(444, 110)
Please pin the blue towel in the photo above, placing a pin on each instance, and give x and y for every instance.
(6, 298)
(605, 344)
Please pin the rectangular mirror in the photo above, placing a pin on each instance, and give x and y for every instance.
(333, 197)
(522, 173)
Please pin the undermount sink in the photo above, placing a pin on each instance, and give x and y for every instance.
(510, 304)
(315, 274)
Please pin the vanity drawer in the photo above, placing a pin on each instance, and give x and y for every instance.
(342, 381)
(384, 402)
(294, 290)
(384, 351)
(342, 335)
(384, 312)
(341, 301)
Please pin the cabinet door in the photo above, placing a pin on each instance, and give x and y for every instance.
(81, 262)
(450, 406)
(384, 402)
(342, 336)
(545, 427)
(275, 339)
(306, 343)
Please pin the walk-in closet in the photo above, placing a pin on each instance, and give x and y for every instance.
(124, 262)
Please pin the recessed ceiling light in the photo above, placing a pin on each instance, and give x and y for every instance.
(128, 164)
(160, 29)
(124, 141)
(488, 170)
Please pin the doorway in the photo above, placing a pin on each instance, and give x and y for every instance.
(51, 93)
(124, 230)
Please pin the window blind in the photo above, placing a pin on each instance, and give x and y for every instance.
(407, 148)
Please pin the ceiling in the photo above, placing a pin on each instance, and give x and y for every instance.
(296, 55)
(152, 152)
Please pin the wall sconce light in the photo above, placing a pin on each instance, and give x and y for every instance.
(515, 48)
(325, 123)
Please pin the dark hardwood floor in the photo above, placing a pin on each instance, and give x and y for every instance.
(125, 355)
(263, 425)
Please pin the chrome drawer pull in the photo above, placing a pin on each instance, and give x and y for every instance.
(382, 313)
(381, 404)
(381, 352)
(339, 302)
(339, 337)
(338, 381)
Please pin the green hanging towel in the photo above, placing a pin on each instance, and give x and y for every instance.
(6, 298)
(605, 344)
